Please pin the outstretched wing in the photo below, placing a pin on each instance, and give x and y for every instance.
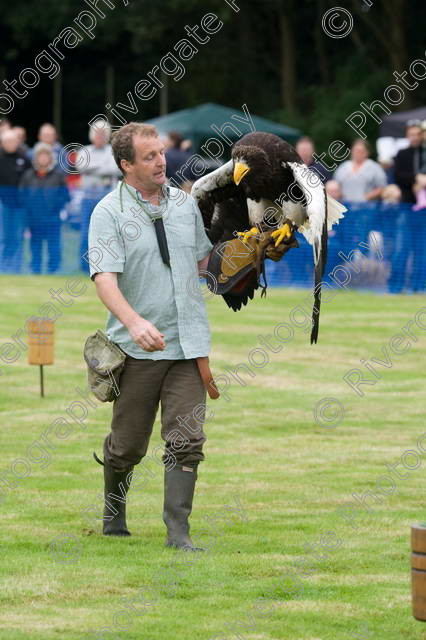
(321, 213)
(222, 204)
(224, 209)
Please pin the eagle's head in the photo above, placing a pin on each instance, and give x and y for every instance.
(251, 165)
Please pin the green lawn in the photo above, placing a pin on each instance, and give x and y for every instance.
(265, 455)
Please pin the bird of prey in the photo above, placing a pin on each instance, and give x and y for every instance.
(266, 185)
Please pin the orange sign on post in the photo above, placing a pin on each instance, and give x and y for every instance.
(41, 344)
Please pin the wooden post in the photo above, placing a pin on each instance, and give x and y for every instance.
(41, 344)
(418, 570)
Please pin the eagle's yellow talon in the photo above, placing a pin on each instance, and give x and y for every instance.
(247, 234)
(281, 233)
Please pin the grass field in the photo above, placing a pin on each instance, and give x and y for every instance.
(265, 452)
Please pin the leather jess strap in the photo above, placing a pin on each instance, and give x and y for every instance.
(207, 377)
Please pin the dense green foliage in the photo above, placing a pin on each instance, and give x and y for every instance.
(272, 55)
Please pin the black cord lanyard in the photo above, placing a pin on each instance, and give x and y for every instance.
(157, 221)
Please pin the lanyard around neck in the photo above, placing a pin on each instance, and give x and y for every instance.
(157, 221)
(140, 204)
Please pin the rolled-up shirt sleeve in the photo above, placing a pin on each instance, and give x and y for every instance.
(202, 242)
(106, 251)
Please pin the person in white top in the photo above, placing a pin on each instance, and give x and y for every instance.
(99, 176)
(360, 178)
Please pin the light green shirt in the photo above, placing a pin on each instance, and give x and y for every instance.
(122, 239)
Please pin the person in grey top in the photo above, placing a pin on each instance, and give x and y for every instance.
(99, 173)
(158, 318)
(360, 178)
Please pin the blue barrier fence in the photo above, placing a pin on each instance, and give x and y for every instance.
(376, 246)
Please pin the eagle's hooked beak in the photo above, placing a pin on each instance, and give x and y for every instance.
(240, 170)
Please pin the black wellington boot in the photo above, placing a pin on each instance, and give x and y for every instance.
(115, 493)
(179, 488)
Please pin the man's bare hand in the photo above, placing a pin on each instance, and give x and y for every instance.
(146, 335)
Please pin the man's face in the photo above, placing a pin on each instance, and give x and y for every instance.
(149, 167)
(100, 138)
(10, 141)
(305, 150)
(47, 134)
(415, 136)
(359, 153)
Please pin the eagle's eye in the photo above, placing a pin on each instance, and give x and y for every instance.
(240, 170)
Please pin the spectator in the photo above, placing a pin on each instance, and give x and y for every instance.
(333, 189)
(361, 179)
(404, 235)
(13, 164)
(176, 158)
(43, 194)
(408, 162)
(48, 134)
(4, 126)
(22, 135)
(99, 175)
(306, 149)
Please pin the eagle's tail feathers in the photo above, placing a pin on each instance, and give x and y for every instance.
(335, 211)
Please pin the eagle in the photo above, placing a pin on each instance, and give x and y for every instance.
(266, 185)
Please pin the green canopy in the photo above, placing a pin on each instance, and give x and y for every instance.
(196, 124)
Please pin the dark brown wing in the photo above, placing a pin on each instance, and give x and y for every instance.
(222, 204)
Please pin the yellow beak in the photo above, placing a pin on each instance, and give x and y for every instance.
(240, 171)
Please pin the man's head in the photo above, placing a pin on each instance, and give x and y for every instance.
(47, 133)
(174, 140)
(100, 133)
(305, 148)
(414, 134)
(360, 151)
(5, 125)
(139, 153)
(10, 141)
(21, 133)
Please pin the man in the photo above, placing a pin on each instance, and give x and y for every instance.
(47, 134)
(176, 158)
(156, 322)
(13, 165)
(21, 132)
(408, 162)
(99, 174)
(306, 149)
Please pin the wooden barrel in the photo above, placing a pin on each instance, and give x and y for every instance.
(40, 340)
(418, 570)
